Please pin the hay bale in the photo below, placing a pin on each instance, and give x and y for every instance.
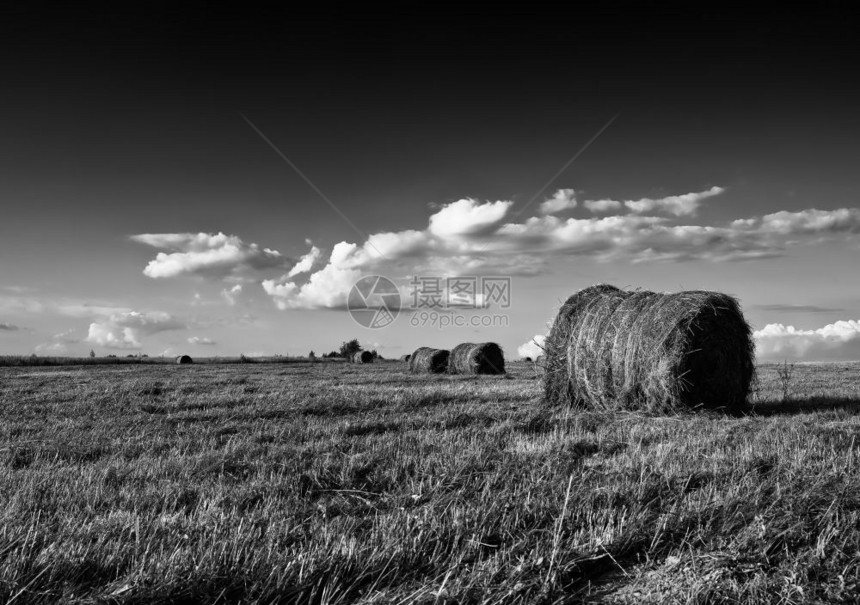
(183, 360)
(429, 361)
(405, 357)
(481, 358)
(362, 357)
(539, 366)
(611, 349)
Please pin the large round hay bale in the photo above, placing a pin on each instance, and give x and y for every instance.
(429, 361)
(362, 357)
(183, 360)
(611, 349)
(405, 357)
(481, 358)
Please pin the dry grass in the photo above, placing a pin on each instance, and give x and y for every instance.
(329, 483)
(639, 350)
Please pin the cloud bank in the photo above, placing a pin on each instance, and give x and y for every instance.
(125, 330)
(473, 237)
(836, 341)
(469, 237)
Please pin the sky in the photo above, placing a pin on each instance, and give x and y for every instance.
(216, 180)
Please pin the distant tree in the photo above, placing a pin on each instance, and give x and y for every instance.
(350, 348)
(375, 354)
(92, 354)
(312, 355)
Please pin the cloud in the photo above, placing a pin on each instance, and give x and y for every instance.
(306, 263)
(231, 294)
(805, 222)
(468, 237)
(836, 341)
(8, 327)
(125, 330)
(468, 217)
(677, 205)
(216, 256)
(563, 199)
(201, 340)
(532, 348)
(600, 206)
(58, 345)
(328, 288)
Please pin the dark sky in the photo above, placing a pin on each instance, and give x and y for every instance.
(376, 102)
(118, 120)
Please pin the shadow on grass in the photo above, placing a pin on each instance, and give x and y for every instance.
(806, 405)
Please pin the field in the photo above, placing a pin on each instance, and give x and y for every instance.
(334, 483)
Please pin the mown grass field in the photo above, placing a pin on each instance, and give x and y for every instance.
(334, 483)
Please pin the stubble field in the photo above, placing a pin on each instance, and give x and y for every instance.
(335, 483)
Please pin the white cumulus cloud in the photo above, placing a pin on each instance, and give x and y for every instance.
(306, 263)
(125, 330)
(563, 199)
(468, 217)
(532, 348)
(201, 340)
(837, 341)
(210, 255)
(677, 205)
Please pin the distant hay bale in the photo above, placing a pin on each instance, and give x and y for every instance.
(429, 361)
(539, 365)
(362, 357)
(183, 359)
(481, 358)
(405, 357)
(611, 349)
